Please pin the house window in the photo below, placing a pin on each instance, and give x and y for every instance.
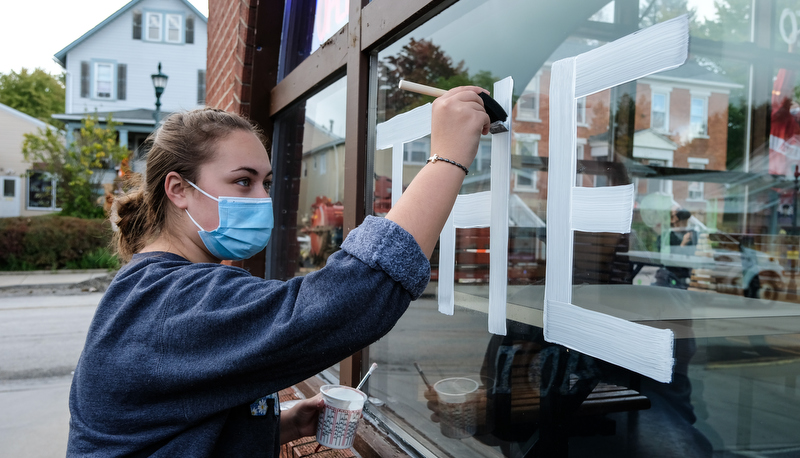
(137, 25)
(174, 28)
(483, 159)
(525, 145)
(189, 30)
(696, 187)
(416, 152)
(658, 112)
(9, 188)
(323, 163)
(528, 104)
(153, 26)
(41, 191)
(581, 111)
(698, 117)
(103, 79)
(122, 81)
(201, 87)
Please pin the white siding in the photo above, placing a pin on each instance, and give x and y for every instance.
(13, 126)
(115, 43)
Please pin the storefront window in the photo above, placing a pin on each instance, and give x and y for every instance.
(711, 148)
(308, 168)
(307, 25)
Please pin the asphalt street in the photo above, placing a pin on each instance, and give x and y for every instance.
(41, 337)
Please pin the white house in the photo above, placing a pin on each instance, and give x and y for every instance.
(22, 195)
(109, 68)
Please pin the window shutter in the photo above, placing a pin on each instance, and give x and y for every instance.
(122, 80)
(201, 87)
(137, 25)
(189, 30)
(85, 79)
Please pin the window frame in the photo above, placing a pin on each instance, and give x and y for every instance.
(703, 97)
(580, 112)
(531, 92)
(53, 192)
(354, 58)
(408, 151)
(521, 139)
(696, 163)
(95, 74)
(168, 28)
(665, 92)
(146, 35)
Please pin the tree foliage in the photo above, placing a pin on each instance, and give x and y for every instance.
(37, 93)
(76, 167)
(421, 61)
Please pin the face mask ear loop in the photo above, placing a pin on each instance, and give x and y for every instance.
(195, 222)
(207, 195)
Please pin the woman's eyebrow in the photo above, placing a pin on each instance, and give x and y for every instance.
(249, 170)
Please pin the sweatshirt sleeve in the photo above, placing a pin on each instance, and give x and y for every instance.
(383, 245)
(226, 331)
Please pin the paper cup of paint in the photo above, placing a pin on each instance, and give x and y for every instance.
(338, 421)
(457, 406)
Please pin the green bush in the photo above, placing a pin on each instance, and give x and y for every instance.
(55, 242)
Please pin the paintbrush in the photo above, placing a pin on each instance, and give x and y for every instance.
(497, 115)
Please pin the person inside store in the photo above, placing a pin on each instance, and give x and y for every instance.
(185, 355)
(682, 240)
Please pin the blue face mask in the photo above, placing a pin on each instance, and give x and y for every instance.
(245, 224)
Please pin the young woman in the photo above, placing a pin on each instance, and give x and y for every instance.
(184, 355)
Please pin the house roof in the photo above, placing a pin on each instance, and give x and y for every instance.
(24, 116)
(138, 116)
(61, 56)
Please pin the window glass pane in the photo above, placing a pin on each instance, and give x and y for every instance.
(103, 80)
(711, 148)
(40, 191)
(308, 168)
(174, 28)
(9, 188)
(153, 27)
(304, 32)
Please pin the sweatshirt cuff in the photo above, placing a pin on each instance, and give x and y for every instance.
(383, 245)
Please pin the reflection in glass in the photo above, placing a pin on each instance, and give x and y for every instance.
(712, 254)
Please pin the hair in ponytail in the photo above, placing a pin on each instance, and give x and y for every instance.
(184, 142)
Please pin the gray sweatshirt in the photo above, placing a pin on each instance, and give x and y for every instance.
(180, 357)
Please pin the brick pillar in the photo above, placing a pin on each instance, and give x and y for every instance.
(231, 38)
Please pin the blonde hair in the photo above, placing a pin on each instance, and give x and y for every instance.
(184, 142)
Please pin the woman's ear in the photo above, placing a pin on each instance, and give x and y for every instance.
(175, 190)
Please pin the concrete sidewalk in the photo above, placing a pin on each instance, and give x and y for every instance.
(49, 278)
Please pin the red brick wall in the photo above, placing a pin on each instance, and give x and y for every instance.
(231, 32)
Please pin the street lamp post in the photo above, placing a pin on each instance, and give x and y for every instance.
(159, 83)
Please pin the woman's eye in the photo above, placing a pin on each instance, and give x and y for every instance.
(268, 186)
(244, 182)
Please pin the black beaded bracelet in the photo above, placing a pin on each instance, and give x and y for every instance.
(436, 157)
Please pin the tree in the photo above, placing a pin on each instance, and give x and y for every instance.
(421, 61)
(76, 167)
(38, 93)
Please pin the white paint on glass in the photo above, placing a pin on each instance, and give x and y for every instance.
(637, 347)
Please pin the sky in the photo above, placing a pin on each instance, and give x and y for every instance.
(32, 31)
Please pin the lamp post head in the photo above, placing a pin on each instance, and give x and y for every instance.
(159, 81)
